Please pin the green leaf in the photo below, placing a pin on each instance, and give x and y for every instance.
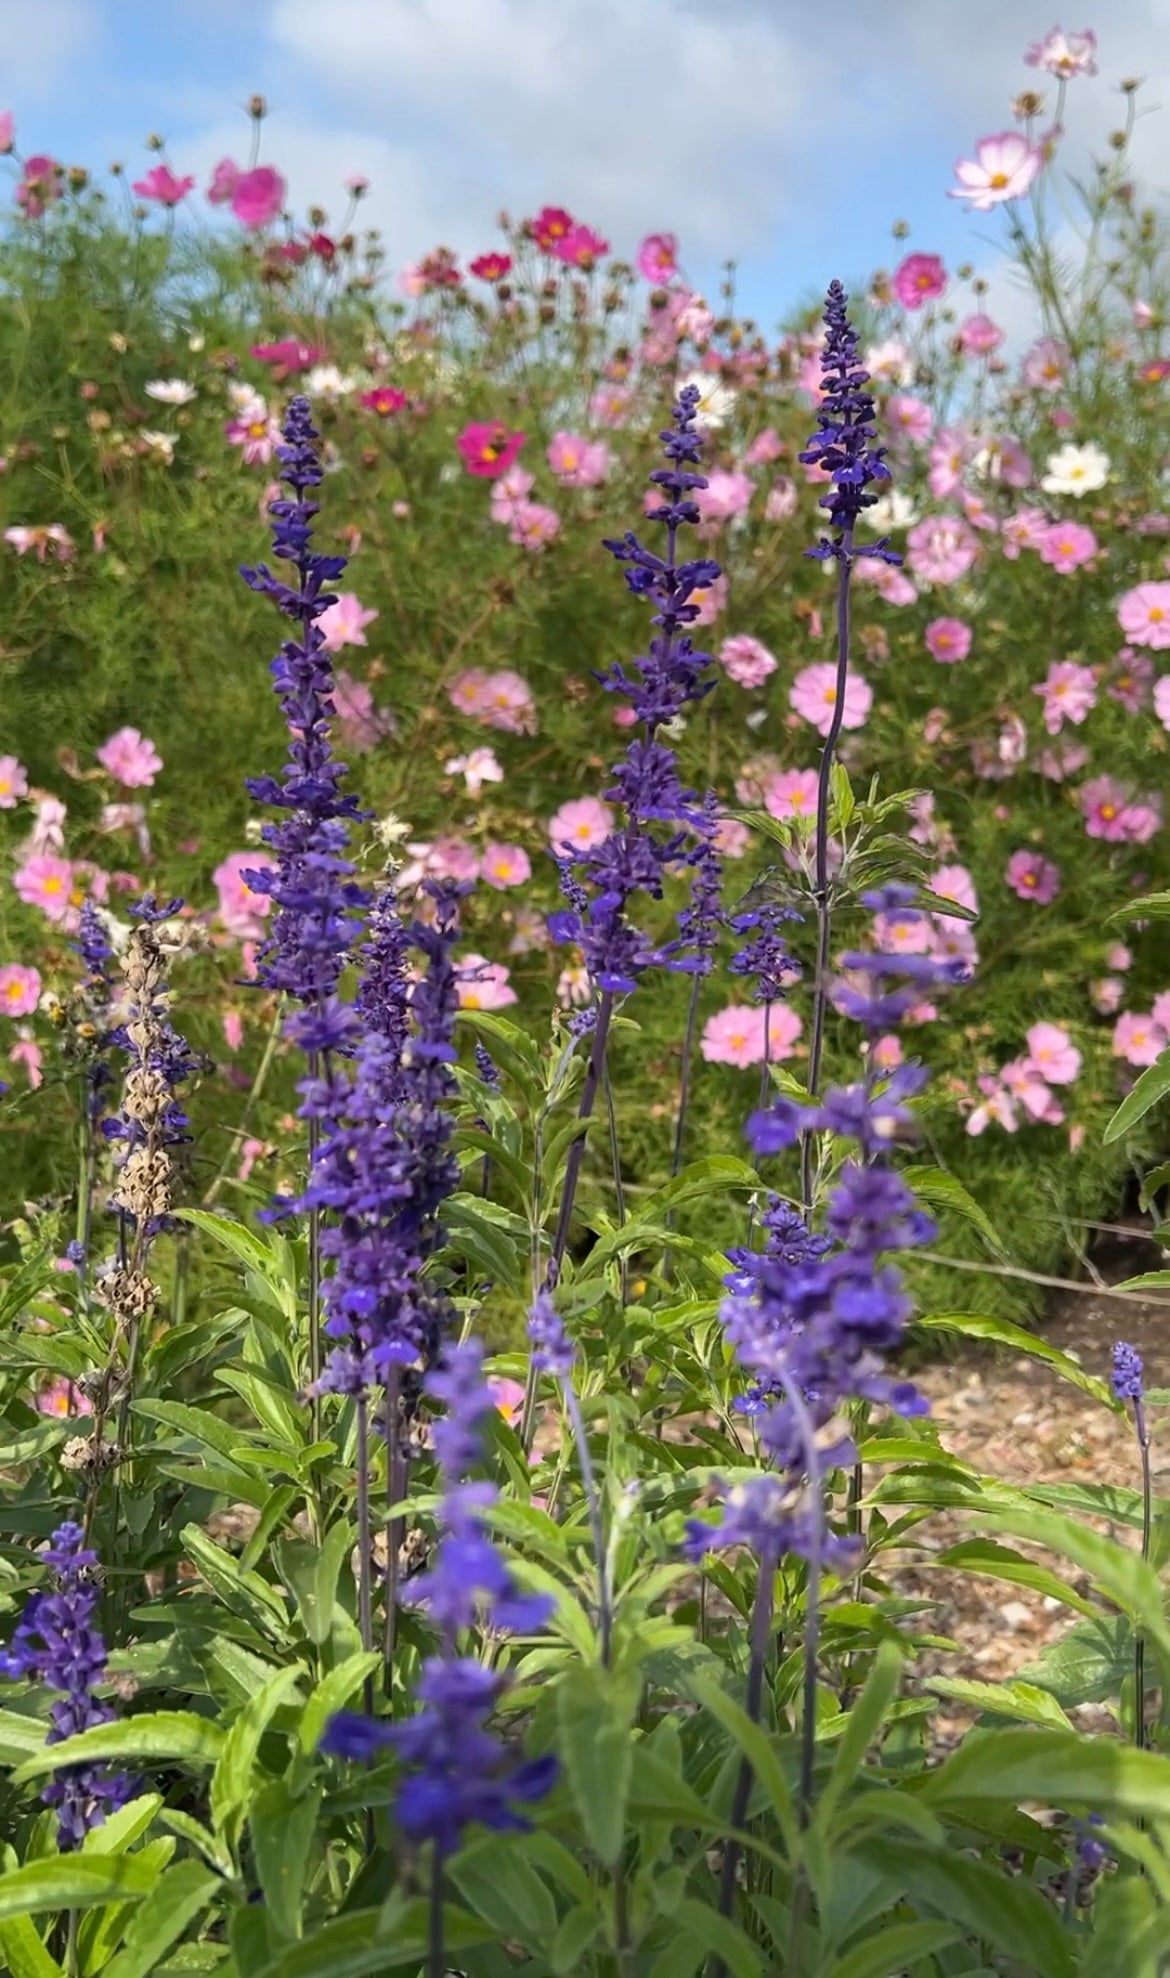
(121, 1829)
(1154, 906)
(1089, 1664)
(595, 1715)
(864, 1722)
(893, 1949)
(282, 1827)
(1002, 1910)
(976, 1325)
(74, 1881)
(578, 1929)
(180, 1895)
(259, 1254)
(197, 1423)
(19, 1736)
(23, 1953)
(943, 1191)
(701, 1926)
(1059, 1768)
(1122, 1913)
(333, 1693)
(232, 1780)
(1152, 1086)
(1000, 1562)
(1148, 1281)
(756, 1746)
(374, 1941)
(1024, 1701)
(158, 1735)
(499, 1884)
(311, 1573)
(1130, 1582)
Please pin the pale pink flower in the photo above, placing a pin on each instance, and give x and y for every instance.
(978, 335)
(580, 824)
(578, 462)
(782, 500)
(1118, 956)
(451, 858)
(1026, 529)
(1144, 615)
(766, 447)
(902, 933)
(13, 782)
(242, 911)
(528, 930)
(947, 459)
(1063, 54)
(20, 989)
(919, 279)
(27, 1052)
(1067, 545)
(223, 182)
(483, 985)
(745, 660)
(813, 695)
(732, 838)
(360, 725)
(948, 640)
(977, 511)
(477, 768)
(890, 360)
(162, 186)
(1033, 877)
(609, 405)
(1003, 168)
(7, 132)
(507, 1395)
(233, 1029)
(1139, 821)
(500, 700)
(1052, 1053)
(1004, 460)
(890, 583)
(46, 882)
(910, 417)
(709, 600)
(505, 865)
(251, 1151)
(130, 758)
(1102, 802)
(1025, 1082)
(1138, 1038)
(1161, 1011)
(574, 987)
(735, 1036)
(954, 882)
(258, 433)
(792, 793)
(1106, 994)
(42, 537)
(1161, 709)
(344, 623)
(533, 525)
(887, 1052)
(657, 258)
(998, 1106)
(62, 1397)
(1046, 364)
(725, 495)
(1068, 693)
(510, 493)
(942, 548)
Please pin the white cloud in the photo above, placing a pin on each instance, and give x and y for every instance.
(42, 44)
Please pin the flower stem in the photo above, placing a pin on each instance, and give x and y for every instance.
(761, 1628)
(1139, 1643)
(436, 1962)
(593, 1506)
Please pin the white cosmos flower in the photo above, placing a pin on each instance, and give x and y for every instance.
(892, 511)
(171, 391)
(717, 401)
(1076, 470)
(891, 360)
(327, 382)
(162, 446)
(247, 404)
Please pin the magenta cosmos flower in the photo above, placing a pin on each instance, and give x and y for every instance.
(920, 278)
(385, 400)
(255, 197)
(657, 258)
(745, 660)
(1033, 877)
(13, 782)
(1144, 615)
(162, 186)
(1138, 1038)
(735, 1036)
(579, 825)
(20, 989)
(813, 695)
(488, 448)
(130, 758)
(1066, 545)
(344, 622)
(948, 640)
(1003, 168)
(1068, 693)
(42, 181)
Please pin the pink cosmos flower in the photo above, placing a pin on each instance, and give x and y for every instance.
(890, 583)
(488, 448)
(1052, 1053)
(20, 989)
(657, 259)
(1161, 1011)
(483, 985)
(223, 182)
(948, 640)
(289, 356)
(1102, 802)
(7, 132)
(978, 335)
(13, 782)
(257, 196)
(578, 462)
(360, 725)
(581, 247)
(478, 767)
(1063, 54)
(1144, 615)
(793, 793)
(1068, 693)
(490, 267)
(385, 400)
(505, 865)
(1067, 545)
(447, 858)
(1033, 877)
(532, 525)
(1046, 364)
(580, 824)
(1139, 821)
(709, 600)
(954, 882)
(725, 495)
(745, 660)
(1026, 529)
(998, 1106)
(48, 831)
(609, 405)
(46, 881)
(948, 457)
(1161, 709)
(42, 538)
(1003, 168)
(344, 623)
(735, 1036)
(1129, 680)
(903, 933)
(62, 1397)
(766, 447)
(942, 548)
(42, 181)
(161, 185)
(887, 1052)
(242, 911)
(27, 1052)
(782, 500)
(813, 695)
(258, 433)
(130, 758)
(1138, 1038)
(1106, 994)
(509, 493)
(918, 279)
(233, 1029)
(910, 417)
(500, 700)
(732, 838)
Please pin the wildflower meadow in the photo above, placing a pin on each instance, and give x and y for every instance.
(503, 1099)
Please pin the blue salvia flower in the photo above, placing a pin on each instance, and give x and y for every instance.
(553, 1351)
(701, 922)
(1128, 1373)
(311, 885)
(765, 958)
(56, 1643)
(845, 442)
(458, 1772)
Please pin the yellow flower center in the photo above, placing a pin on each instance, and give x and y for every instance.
(257, 429)
(54, 883)
(997, 181)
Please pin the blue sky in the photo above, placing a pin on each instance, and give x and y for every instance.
(732, 122)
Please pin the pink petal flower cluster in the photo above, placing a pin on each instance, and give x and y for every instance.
(1066, 545)
(13, 782)
(948, 640)
(580, 824)
(130, 758)
(813, 695)
(941, 548)
(1069, 692)
(344, 622)
(919, 279)
(360, 724)
(558, 234)
(736, 1035)
(46, 881)
(1144, 615)
(1109, 812)
(978, 336)
(1046, 365)
(488, 448)
(909, 417)
(1033, 878)
(657, 259)
(578, 462)
(505, 865)
(483, 985)
(1139, 1038)
(745, 660)
(1026, 529)
(500, 700)
(1063, 54)
(162, 186)
(20, 989)
(725, 495)
(531, 525)
(257, 431)
(1003, 168)
(790, 793)
(42, 181)
(255, 196)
